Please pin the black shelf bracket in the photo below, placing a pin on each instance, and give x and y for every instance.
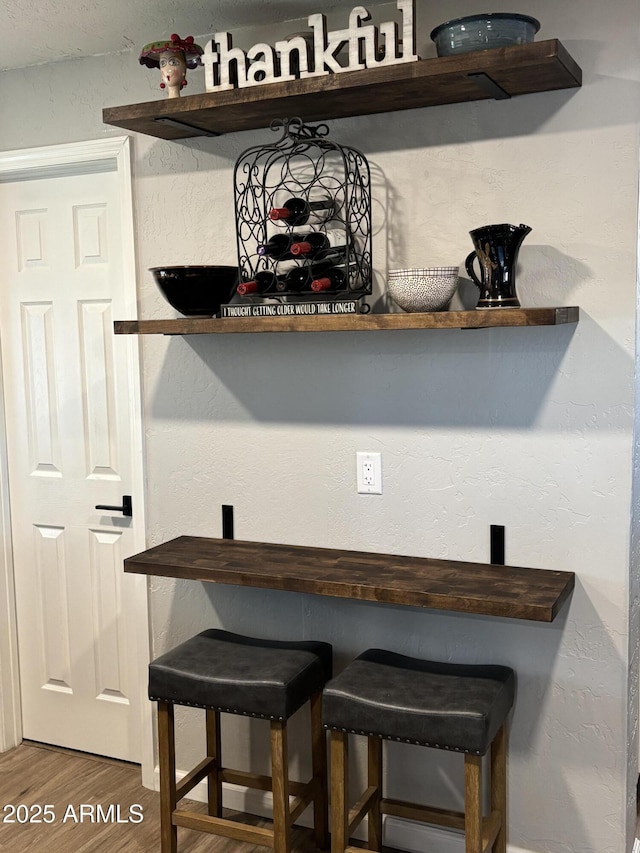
(497, 545)
(174, 122)
(489, 85)
(227, 521)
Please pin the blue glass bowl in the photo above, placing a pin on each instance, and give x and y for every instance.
(481, 32)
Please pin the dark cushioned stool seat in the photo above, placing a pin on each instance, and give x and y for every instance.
(241, 675)
(448, 706)
(386, 696)
(230, 673)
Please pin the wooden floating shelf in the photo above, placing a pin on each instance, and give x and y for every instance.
(482, 319)
(498, 73)
(491, 590)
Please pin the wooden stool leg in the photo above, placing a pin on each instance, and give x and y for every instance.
(167, 760)
(280, 782)
(499, 787)
(319, 769)
(339, 791)
(473, 803)
(374, 774)
(214, 780)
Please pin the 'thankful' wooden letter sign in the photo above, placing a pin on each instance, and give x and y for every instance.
(228, 67)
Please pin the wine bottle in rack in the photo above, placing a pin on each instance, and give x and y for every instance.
(299, 211)
(336, 278)
(278, 247)
(300, 278)
(261, 282)
(294, 281)
(317, 242)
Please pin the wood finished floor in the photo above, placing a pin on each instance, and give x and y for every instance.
(34, 774)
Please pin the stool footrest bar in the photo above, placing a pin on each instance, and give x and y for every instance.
(304, 800)
(260, 782)
(221, 826)
(414, 811)
(362, 807)
(196, 775)
(249, 780)
(490, 829)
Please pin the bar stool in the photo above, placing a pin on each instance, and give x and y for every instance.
(457, 707)
(270, 679)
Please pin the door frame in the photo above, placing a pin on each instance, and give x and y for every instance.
(112, 153)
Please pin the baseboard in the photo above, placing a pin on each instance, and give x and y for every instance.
(418, 837)
(401, 834)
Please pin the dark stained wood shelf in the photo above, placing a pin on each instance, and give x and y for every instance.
(492, 590)
(501, 72)
(483, 319)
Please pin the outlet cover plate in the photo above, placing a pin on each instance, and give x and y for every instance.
(369, 473)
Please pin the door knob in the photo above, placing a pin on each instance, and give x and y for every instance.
(125, 509)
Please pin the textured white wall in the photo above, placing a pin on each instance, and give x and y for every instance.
(530, 428)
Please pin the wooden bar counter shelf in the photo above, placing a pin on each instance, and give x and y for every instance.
(492, 590)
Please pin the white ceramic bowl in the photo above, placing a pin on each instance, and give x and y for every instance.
(428, 289)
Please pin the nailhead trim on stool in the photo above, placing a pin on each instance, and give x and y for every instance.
(270, 679)
(456, 707)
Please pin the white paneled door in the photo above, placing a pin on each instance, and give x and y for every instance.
(71, 446)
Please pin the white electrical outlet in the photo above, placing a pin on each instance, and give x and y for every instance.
(369, 473)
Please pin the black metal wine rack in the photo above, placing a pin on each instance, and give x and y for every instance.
(303, 163)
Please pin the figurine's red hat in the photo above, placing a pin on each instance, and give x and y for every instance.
(150, 55)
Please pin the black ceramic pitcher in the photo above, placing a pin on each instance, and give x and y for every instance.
(497, 248)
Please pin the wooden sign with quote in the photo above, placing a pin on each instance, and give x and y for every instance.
(291, 309)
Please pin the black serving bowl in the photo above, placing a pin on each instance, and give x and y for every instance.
(196, 291)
